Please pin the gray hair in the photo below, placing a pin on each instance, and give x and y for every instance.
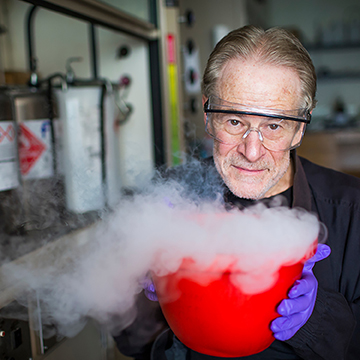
(274, 46)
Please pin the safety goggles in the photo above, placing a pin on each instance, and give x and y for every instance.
(278, 130)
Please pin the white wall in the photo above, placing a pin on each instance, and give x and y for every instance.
(56, 38)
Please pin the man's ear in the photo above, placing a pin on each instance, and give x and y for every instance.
(204, 99)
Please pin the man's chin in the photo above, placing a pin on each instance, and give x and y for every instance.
(247, 191)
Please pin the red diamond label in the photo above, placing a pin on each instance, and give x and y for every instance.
(7, 133)
(30, 149)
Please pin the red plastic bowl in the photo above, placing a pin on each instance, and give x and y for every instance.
(217, 318)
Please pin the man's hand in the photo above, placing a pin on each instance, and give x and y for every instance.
(298, 308)
(149, 289)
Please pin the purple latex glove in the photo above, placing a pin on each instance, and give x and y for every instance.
(149, 289)
(147, 284)
(298, 308)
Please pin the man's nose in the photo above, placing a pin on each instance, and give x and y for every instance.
(251, 145)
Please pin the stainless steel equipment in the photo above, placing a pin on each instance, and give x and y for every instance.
(30, 204)
(90, 113)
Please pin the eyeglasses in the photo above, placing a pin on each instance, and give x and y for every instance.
(278, 130)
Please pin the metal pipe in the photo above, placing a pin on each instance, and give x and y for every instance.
(52, 127)
(30, 41)
(93, 51)
(104, 91)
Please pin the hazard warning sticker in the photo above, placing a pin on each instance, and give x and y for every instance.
(35, 155)
(8, 162)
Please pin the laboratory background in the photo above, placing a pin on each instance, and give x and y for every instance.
(96, 95)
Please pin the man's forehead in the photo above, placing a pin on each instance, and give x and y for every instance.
(248, 82)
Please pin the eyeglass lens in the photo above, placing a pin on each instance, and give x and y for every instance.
(275, 134)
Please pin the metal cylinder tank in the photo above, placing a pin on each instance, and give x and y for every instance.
(9, 178)
(34, 201)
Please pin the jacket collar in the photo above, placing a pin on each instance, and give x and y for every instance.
(301, 188)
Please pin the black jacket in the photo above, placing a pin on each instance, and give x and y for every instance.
(333, 330)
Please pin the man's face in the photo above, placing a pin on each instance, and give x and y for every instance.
(248, 168)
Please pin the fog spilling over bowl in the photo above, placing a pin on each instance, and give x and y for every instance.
(210, 311)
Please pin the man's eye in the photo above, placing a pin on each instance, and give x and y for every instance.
(234, 122)
(274, 126)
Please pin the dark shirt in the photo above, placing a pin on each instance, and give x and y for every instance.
(282, 199)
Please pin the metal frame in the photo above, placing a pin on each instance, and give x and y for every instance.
(98, 13)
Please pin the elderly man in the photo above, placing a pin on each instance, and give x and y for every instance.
(258, 94)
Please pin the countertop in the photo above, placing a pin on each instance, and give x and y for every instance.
(42, 258)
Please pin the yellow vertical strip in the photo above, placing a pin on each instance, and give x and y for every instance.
(173, 99)
(175, 141)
